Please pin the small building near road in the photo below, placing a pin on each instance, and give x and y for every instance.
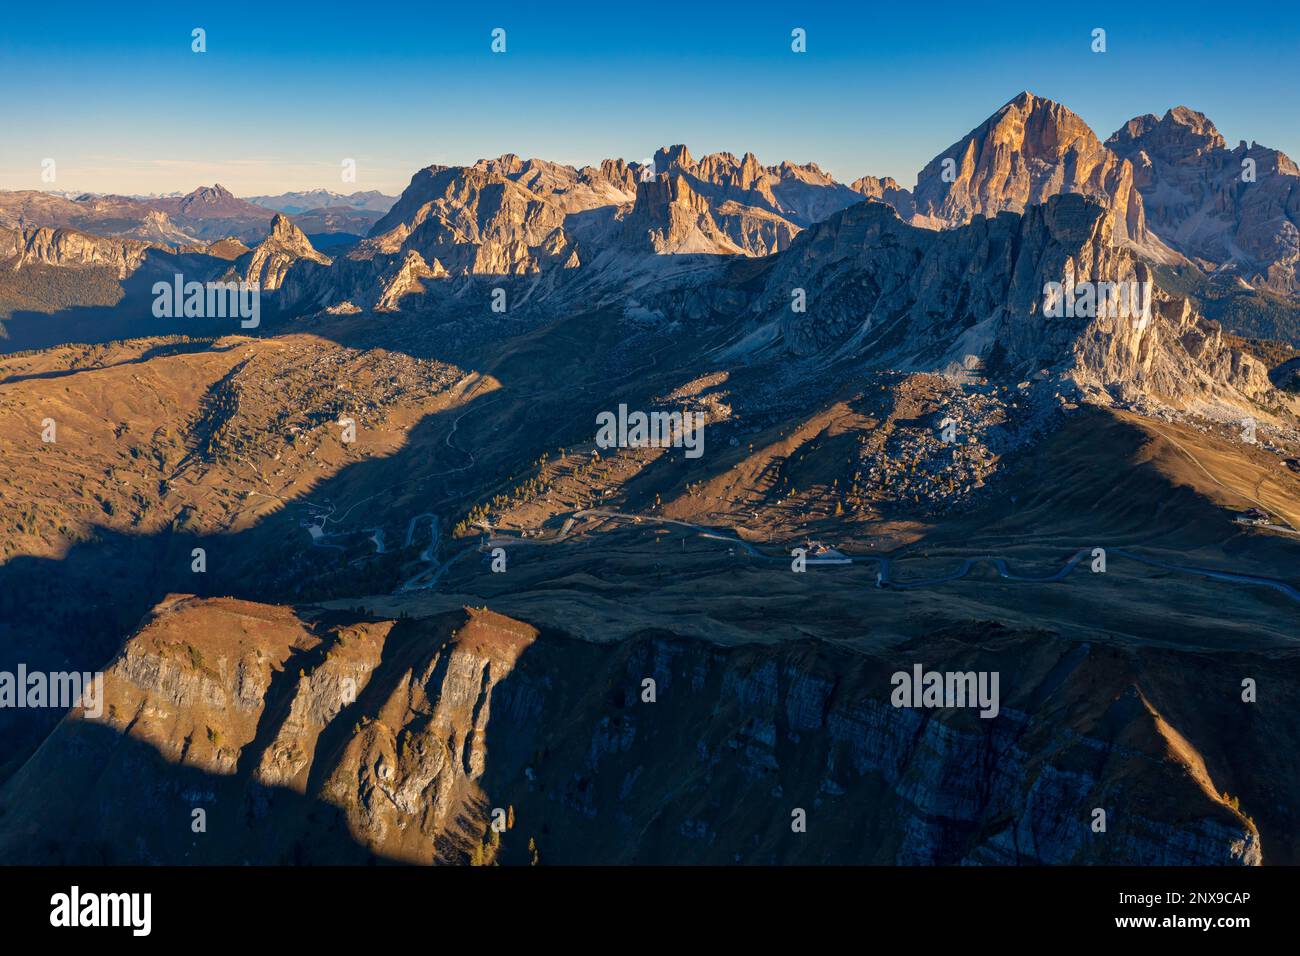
(1253, 516)
(819, 553)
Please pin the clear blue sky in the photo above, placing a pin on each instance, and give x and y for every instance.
(113, 93)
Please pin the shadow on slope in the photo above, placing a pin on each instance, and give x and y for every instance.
(126, 314)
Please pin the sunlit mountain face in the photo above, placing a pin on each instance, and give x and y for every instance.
(685, 507)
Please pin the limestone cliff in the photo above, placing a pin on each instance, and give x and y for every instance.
(339, 737)
(69, 247)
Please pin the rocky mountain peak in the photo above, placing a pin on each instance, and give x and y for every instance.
(1181, 135)
(1135, 128)
(282, 229)
(1199, 198)
(615, 172)
(1028, 150)
(209, 194)
(1195, 122)
(668, 158)
(211, 212)
(271, 260)
(505, 164)
(1038, 128)
(804, 172)
(725, 170)
(887, 190)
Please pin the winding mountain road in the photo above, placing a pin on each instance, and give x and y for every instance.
(885, 565)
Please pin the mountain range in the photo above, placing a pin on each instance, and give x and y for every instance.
(209, 213)
(371, 200)
(466, 608)
(1176, 190)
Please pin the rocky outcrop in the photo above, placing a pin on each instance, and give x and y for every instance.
(451, 222)
(721, 204)
(620, 173)
(270, 261)
(1238, 208)
(229, 249)
(156, 227)
(422, 765)
(317, 699)
(405, 280)
(69, 247)
(613, 183)
(362, 280)
(912, 298)
(12, 243)
(671, 217)
(475, 222)
(888, 191)
(805, 194)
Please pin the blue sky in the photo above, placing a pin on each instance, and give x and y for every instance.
(113, 93)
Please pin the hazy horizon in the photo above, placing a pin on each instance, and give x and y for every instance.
(123, 105)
